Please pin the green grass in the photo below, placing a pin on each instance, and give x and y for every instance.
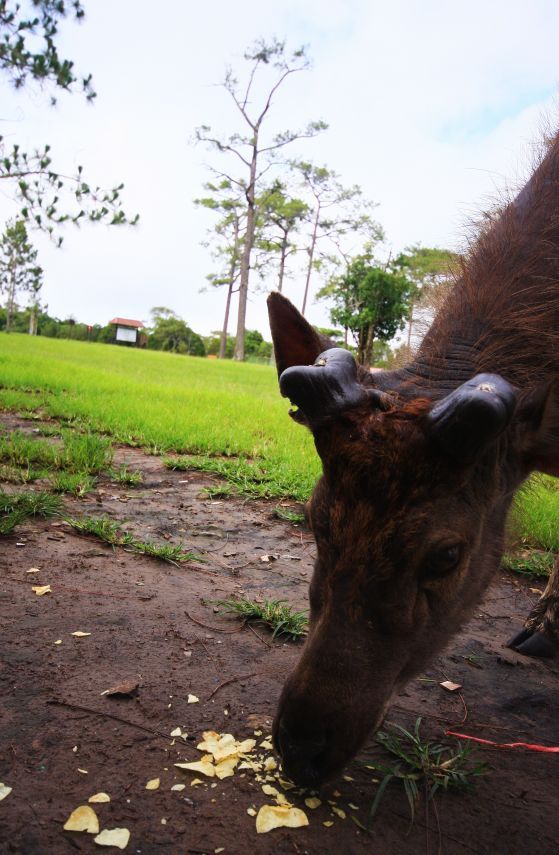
(17, 508)
(77, 484)
(124, 475)
(275, 614)
(166, 402)
(529, 562)
(534, 519)
(110, 531)
(422, 766)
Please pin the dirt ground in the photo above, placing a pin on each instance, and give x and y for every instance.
(61, 740)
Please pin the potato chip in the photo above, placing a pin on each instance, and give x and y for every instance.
(153, 784)
(266, 744)
(312, 802)
(179, 787)
(4, 791)
(40, 590)
(176, 732)
(196, 782)
(339, 812)
(99, 798)
(113, 837)
(279, 816)
(225, 768)
(80, 634)
(270, 764)
(205, 767)
(83, 818)
(251, 811)
(192, 699)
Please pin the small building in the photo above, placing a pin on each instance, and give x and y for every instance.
(128, 331)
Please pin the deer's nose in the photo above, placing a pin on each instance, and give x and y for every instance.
(301, 750)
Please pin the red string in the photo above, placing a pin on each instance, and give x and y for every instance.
(546, 749)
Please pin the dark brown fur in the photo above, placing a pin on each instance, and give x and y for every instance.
(393, 508)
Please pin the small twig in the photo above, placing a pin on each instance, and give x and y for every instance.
(56, 702)
(259, 637)
(461, 696)
(213, 628)
(232, 680)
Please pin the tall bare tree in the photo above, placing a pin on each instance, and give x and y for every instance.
(270, 64)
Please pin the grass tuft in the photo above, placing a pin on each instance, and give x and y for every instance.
(288, 515)
(422, 766)
(275, 614)
(123, 475)
(110, 532)
(529, 562)
(77, 484)
(16, 508)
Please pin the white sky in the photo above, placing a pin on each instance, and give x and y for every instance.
(433, 107)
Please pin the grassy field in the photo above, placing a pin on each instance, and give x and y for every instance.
(229, 415)
(220, 416)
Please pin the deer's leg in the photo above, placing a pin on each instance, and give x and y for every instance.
(540, 636)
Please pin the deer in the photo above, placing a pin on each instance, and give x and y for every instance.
(419, 469)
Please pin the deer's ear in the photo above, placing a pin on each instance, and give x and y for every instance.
(295, 341)
(538, 425)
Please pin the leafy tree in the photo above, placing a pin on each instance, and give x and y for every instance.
(19, 271)
(169, 332)
(227, 200)
(280, 217)
(370, 301)
(251, 148)
(432, 270)
(334, 212)
(47, 196)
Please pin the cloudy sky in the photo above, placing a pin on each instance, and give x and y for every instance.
(433, 108)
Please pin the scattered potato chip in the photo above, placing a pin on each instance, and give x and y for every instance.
(163, 821)
(450, 686)
(83, 818)
(270, 764)
(312, 802)
(195, 782)
(287, 785)
(4, 791)
(266, 744)
(205, 767)
(192, 699)
(113, 837)
(99, 798)
(251, 811)
(218, 850)
(328, 823)
(279, 816)
(33, 570)
(339, 812)
(153, 784)
(348, 778)
(59, 641)
(75, 749)
(176, 732)
(83, 771)
(226, 768)
(179, 787)
(40, 590)
(80, 634)
(353, 807)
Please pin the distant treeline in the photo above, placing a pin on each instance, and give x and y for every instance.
(167, 333)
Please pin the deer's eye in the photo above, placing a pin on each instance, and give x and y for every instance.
(442, 560)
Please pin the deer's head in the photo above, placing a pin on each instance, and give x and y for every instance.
(408, 518)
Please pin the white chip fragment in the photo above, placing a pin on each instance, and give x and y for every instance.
(279, 816)
(4, 791)
(99, 798)
(192, 699)
(80, 634)
(113, 837)
(178, 787)
(153, 784)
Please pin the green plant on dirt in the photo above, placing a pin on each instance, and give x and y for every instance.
(533, 520)
(222, 491)
(288, 515)
(529, 562)
(85, 452)
(124, 475)
(250, 478)
(18, 449)
(109, 531)
(422, 767)
(275, 614)
(16, 508)
(77, 484)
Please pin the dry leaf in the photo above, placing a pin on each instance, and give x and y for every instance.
(126, 689)
(280, 816)
(153, 784)
(40, 590)
(83, 818)
(450, 686)
(192, 699)
(99, 798)
(80, 634)
(4, 791)
(113, 837)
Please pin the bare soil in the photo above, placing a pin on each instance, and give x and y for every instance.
(61, 740)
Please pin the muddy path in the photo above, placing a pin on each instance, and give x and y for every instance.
(153, 623)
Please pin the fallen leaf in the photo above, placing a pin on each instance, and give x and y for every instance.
(126, 689)
(280, 816)
(450, 686)
(4, 791)
(80, 634)
(99, 798)
(113, 837)
(153, 784)
(192, 699)
(40, 590)
(83, 818)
